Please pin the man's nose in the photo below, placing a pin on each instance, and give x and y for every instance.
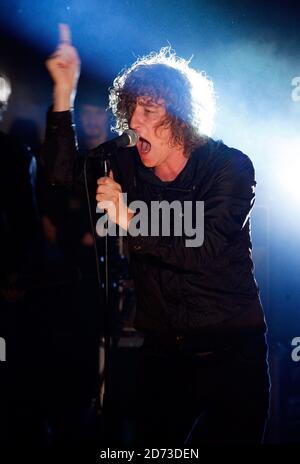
(136, 119)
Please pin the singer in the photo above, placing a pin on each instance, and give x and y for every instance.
(203, 376)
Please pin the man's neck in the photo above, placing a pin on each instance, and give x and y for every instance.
(168, 171)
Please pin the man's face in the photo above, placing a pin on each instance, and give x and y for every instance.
(93, 120)
(153, 145)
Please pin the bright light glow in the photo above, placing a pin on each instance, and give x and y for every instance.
(286, 169)
(5, 89)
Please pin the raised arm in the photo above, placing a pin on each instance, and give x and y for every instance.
(60, 145)
(64, 68)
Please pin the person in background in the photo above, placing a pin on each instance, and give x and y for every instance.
(20, 398)
(18, 222)
(66, 221)
(93, 117)
(76, 326)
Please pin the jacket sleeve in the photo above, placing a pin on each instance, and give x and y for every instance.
(60, 158)
(227, 205)
(59, 152)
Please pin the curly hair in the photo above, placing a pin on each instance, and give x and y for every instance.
(188, 96)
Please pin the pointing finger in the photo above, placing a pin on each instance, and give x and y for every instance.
(64, 34)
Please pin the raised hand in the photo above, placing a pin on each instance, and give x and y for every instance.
(64, 68)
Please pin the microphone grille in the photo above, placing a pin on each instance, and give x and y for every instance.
(133, 137)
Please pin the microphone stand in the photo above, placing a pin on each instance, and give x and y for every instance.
(105, 341)
(129, 138)
(105, 382)
(107, 320)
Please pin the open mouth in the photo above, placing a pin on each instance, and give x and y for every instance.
(144, 145)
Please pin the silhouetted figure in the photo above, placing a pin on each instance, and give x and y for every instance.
(20, 411)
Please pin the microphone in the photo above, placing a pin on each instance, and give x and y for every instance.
(129, 138)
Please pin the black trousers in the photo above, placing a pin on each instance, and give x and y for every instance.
(190, 396)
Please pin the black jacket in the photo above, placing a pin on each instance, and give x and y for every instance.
(179, 288)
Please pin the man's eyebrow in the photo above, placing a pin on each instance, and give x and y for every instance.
(150, 103)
